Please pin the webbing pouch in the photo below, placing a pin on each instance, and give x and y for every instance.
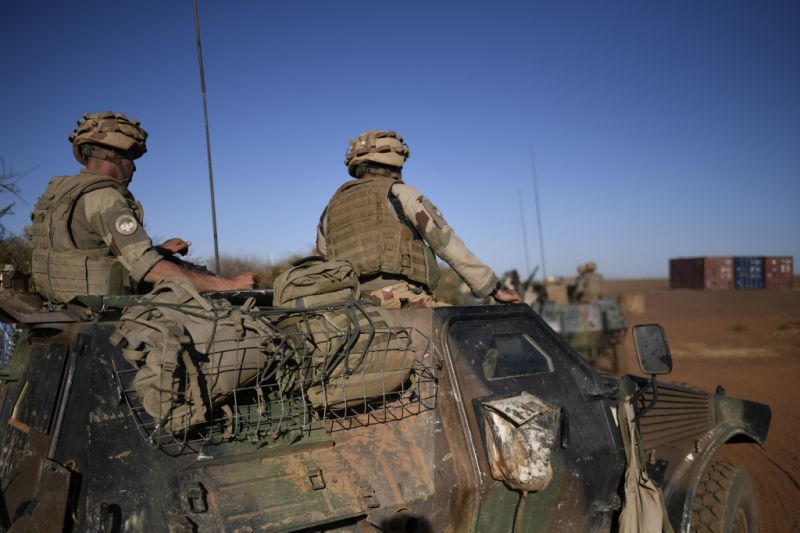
(315, 282)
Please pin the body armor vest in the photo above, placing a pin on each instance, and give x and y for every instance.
(60, 270)
(367, 229)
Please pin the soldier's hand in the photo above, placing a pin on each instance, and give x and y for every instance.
(507, 296)
(176, 246)
(243, 281)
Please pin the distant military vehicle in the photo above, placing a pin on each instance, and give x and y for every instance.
(596, 330)
(498, 425)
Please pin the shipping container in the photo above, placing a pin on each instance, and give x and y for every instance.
(718, 272)
(686, 273)
(701, 273)
(778, 272)
(748, 272)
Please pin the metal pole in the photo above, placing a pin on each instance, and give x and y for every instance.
(524, 237)
(538, 213)
(208, 138)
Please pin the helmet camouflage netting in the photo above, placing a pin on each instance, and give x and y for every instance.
(111, 130)
(378, 146)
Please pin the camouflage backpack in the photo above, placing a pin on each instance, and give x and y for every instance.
(314, 282)
(346, 355)
(190, 353)
(348, 352)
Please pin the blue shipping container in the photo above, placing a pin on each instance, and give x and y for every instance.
(748, 272)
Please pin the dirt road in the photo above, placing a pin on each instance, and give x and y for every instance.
(748, 342)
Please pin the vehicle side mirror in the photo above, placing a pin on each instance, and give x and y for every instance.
(652, 349)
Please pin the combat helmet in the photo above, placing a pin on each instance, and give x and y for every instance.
(376, 146)
(108, 130)
(591, 266)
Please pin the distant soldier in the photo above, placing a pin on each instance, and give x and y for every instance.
(589, 286)
(392, 234)
(87, 233)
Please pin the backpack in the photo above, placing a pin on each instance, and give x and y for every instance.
(347, 355)
(315, 282)
(190, 353)
(349, 352)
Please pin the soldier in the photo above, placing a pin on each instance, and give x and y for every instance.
(589, 286)
(390, 232)
(87, 233)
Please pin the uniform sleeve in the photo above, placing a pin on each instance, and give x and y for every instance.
(427, 218)
(111, 216)
(322, 243)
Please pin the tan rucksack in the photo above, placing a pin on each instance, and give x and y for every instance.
(347, 355)
(190, 353)
(349, 352)
(315, 282)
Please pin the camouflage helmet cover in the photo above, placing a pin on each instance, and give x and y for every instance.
(378, 146)
(591, 266)
(111, 130)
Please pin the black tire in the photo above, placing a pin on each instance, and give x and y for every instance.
(724, 502)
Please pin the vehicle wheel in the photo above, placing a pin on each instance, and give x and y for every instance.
(724, 502)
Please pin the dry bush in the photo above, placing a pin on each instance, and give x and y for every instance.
(453, 290)
(267, 271)
(16, 250)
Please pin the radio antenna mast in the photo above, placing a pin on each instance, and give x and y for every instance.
(538, 212)
(208, 137)
(524, 236)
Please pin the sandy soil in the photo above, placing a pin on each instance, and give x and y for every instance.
(749, 342)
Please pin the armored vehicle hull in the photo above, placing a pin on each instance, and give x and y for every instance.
(595, 330)
(506, 429)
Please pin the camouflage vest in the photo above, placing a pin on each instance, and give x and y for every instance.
(365, 228)
(60, 270)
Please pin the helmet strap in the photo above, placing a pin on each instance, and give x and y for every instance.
(367, 168)
(98, 152)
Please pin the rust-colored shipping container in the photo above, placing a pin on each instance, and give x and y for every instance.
(718, 272)
(778, 272)
(701, 273)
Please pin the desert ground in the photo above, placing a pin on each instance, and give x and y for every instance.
(748, 342)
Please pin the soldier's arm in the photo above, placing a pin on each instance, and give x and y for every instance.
(121, 229)
(109, 214)
(429, 221)
(203, 282)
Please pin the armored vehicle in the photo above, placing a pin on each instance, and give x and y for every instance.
(494, 424)
(595, 330)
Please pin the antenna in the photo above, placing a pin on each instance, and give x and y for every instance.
(524, 236)
(538, 212)
(208, 138)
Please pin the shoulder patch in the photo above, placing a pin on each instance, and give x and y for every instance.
(436, 215)
(126, 224)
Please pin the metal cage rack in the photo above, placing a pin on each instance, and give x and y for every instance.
(311, 373)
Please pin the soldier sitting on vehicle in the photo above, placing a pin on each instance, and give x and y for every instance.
(87, 233)
(589, 285)
(390, 232)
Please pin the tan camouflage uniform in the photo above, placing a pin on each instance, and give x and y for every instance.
(592, 287)
(103, 223)
(96, 217)
(87, 236)
(589, 285)
(395, 293)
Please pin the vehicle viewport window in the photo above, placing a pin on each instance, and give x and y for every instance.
(501, 355)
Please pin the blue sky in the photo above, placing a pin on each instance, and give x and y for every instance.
(659, 129)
